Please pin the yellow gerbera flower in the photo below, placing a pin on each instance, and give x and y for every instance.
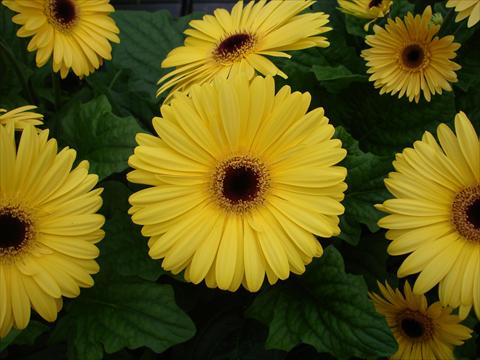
(365, 9)
(407, 59)
(230, 43)
(466, 8)
(48, 226)
(436, 214)
(422, 332)
(241, 180)
(75, 32)
(21, 117)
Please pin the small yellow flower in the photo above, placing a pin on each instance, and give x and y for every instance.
(366, 9)
(407, 58)
(423, 332)
(76, 33)
(239, 41)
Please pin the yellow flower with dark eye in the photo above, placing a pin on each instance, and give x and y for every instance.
(48, 226)
(241, 180)
(239, 41)
(406, 58)
(75, 33)
(21, 117)
(423, 332)
(435, 214)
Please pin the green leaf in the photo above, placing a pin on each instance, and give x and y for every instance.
(9, 339)
(469, 74)
(31, 333)
(146, 39)
(384, 124)
(115, 84)
(124, 250)
(368, 258)
(336, 78)
(400, 8)
(365, 175)
(122, 313)
(325, 308)
(27, 336)
(99, 136)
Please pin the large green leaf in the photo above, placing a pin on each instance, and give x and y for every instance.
(369, 258)
(384, 124)
(99, 136)
(365, 175)
(115, 83)
(119, 313)
(336, 78)
(146, 39)
(325, 308)
(124, 250)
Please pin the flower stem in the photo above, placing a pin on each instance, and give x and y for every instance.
(57, 91)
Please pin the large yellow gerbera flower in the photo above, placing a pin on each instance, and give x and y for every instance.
(76, 32)
(21, 117)
(423, 332)
(407, 59)
(466, 8)
(241, 180)
(436, 214)
(365, 9)
(48, 226)
(230, 43)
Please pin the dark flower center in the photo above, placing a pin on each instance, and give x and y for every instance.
(63, 12)
(234, 47)
(466, 213)
(374, 3)
(412, 327)
(13, 231)
(234, 43)
(473, 214)
(240, 184)
(413, 56)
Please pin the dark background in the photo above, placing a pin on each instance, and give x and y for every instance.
(176, 7)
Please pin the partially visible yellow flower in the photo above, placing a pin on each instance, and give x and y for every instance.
(48, 226)
(407, 58)
(435, 214)
(21, 117)
(422, 332)
(76, 33)
(366, 9)
(241, 180)
(240, 41)
(466, 8)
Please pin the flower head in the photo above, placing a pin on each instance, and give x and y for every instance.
(435, 214)
(466, 8)
(48, 226)
(407, 58)
(423, 332)
(76, 33)
(21, 117)
(241, 180)
(239, 41)
(365, 9)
